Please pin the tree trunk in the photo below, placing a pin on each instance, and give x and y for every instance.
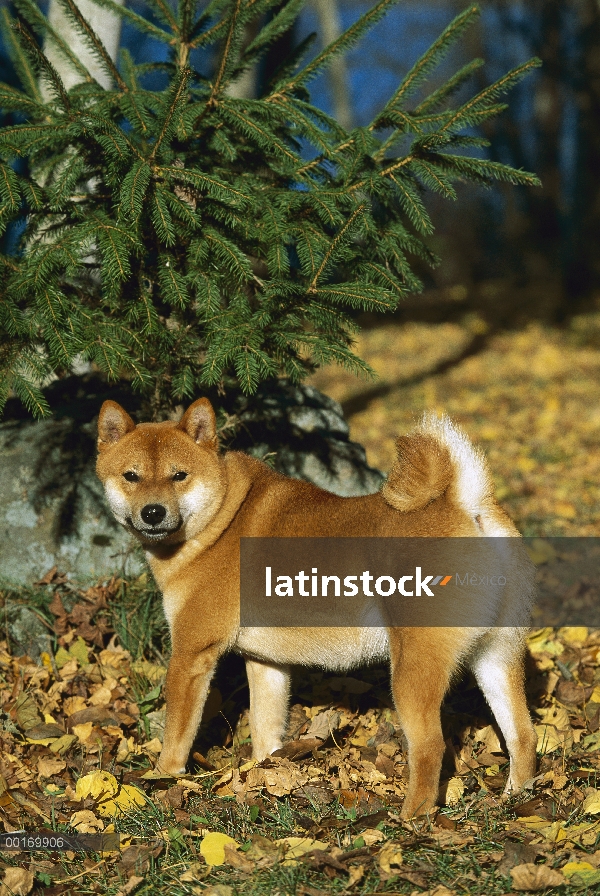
(107, 26)
(329, 20)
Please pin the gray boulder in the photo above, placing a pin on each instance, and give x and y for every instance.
(52, 508)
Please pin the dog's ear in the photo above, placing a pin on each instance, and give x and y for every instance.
(113, 423)
(200, 424)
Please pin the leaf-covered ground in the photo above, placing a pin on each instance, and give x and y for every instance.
(81, 732)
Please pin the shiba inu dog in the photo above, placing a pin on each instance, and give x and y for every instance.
(189, 506)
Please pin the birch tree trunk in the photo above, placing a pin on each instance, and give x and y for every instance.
(331, 28)
(107, 26)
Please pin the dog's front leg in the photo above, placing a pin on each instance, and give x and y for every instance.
(186, 689)
(269, 698)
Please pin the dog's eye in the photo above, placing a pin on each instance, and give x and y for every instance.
(179, 476)
(130, 476)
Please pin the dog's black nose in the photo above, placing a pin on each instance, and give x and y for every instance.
(153, 514)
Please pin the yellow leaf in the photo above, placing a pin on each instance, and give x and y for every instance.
(73, 704)
(540, 552)
(62, 657)
(96, 784)
(63, 743)
(212, 847)
(454, 791)
(47, 661)
(154, 673)
(390, 855)
(126, 798)
(86, 822)
(298, 846)
(565, 510)
(582, 874)
(574, 634)
(101, 697)
(591, 804)
(548, 739)
(83, 731)
(78, 650)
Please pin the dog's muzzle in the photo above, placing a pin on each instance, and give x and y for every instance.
(153, 515)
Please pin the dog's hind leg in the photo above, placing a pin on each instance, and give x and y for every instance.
(269, 698)
(186, 689)
(499, 669)
(423, 661)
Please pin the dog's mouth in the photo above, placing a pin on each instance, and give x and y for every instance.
(153, 532)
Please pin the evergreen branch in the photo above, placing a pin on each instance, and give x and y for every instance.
(213, 186)
(281, 22)
(343, 42)
(140, 22)
(489, 93)
(335, 243)
(232, 38)
(470, 167)
(423, 67)
(177, 92)
(164, 12)
(13, 100)
(18, 57)
(264, 138)
(93, 41)
(41, 25)
(450, 87)
(47, 70)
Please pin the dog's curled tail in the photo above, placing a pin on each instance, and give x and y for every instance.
(435, 459)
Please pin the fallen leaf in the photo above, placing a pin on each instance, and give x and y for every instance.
(16, 882)
(591, 804)
(530, 877)
(389, 857)
(131, 885)
(82, 732)
(454, 791)
(126, 798)
(581, 874)
(212, 847)
(96, 784)
(299, 846)
(73, 704)
(49, 767)
(86, 822)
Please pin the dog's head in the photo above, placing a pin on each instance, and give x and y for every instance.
(164, 481)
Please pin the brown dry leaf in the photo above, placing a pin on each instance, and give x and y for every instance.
(323, 724)
(389, 858)
(530, 877)
(355, 875)
(238, 860)
(82, 732)
(440, 890)
(453, 791)
(100, 697)
(72, 705)
(16, 882)
(49, 767)
(131, 885)
(282, 780)
(86, 822)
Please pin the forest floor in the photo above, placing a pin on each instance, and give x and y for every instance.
(81, 732)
